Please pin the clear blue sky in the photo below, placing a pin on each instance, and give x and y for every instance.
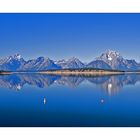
(60, 36)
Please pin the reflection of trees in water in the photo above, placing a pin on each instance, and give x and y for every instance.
(110, 84)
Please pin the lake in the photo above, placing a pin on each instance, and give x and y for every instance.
(31, 99)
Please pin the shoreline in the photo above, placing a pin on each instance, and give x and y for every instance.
(66, 72)
(76, 72)
(5, 73)
(86, 72)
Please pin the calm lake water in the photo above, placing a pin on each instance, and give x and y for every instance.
(45, 100)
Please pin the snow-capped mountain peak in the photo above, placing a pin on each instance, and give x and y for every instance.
(73, 59)
(112, 52)
(116, 61)
(109, 56)
(70, 63)
(11, 63)
(41, 63)
(17, 56)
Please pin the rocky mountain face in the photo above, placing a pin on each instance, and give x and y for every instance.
(38, 64)
(71, 63)
(11, 63)
(107, 60)
(117, 62)
(17, 63)
(98, 64)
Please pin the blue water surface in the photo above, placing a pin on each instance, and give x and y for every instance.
(47, 100)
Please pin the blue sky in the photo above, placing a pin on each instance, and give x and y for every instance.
(59, 36)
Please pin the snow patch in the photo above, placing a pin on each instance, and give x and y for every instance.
(18, 56)
(18, 87)
(109, 58)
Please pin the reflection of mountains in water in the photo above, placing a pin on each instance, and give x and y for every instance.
(110, 84)
(17, 81)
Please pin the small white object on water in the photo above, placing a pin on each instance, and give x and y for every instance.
(102, 101)
(45, 101)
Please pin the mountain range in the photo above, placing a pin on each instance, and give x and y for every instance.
(107, 60)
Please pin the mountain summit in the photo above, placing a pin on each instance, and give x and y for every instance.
(17, 56)
(11, 63)
(39, 64)
(70, 63)
(109, 56)
(116, 61)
